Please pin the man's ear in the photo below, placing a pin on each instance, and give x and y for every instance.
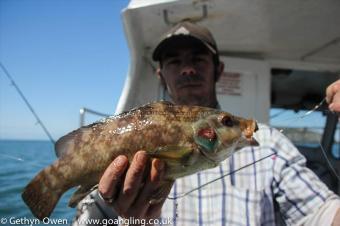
(219, 71)
(160, 77)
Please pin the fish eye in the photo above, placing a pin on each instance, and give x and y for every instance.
(227, 121)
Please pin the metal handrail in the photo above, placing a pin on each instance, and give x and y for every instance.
(84, 110)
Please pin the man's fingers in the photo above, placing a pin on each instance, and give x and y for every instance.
(157, 170)
(112, 176)
(133, 181)
(154, 210)
(156, 207)
(329, 95)
(332, 90)
(153, 186)
(135, 191)
(334, 107)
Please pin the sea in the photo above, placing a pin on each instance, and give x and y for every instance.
(20, 161)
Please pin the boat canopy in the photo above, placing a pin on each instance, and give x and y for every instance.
(271, 50)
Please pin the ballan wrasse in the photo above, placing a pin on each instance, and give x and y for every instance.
(187, 138)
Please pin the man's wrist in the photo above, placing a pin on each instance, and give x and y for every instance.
(105, 208)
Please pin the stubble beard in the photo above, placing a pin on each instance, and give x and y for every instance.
(194, 98)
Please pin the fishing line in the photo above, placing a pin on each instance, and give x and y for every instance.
(321, 147)
(219, 178)
(277, 114)
(329, 162)
(296, 118)
(21, 160)
(27, 103)
(314, 109)
(245, 166)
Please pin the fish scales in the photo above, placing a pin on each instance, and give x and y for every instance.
(187, 138)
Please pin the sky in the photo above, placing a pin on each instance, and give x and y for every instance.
(63, 55)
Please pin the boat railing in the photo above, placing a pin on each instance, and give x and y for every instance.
(84, 110)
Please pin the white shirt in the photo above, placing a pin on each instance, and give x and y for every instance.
(251, 195)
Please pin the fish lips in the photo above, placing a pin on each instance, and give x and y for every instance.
(249, 136)
(252, 140)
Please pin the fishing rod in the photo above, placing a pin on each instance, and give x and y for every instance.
(27, 103)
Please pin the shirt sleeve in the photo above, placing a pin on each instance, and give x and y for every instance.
(323, 216)
(92, 210)
(298, 191)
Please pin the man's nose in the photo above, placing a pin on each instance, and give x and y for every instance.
(188, 69)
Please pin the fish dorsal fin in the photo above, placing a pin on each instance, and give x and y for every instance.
(163, 103)
(63, 144)
(68, 142)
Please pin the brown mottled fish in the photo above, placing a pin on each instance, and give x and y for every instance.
(187, 138)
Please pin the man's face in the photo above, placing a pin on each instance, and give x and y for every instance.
(188, 71)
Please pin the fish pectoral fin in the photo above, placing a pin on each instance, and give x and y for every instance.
(160, 194)
(81, 193)
(173, 154)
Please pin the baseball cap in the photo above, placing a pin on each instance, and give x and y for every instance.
(188, 30)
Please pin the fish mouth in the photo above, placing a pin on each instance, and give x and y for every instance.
(256, 127)
(253, 141)
(248, 133)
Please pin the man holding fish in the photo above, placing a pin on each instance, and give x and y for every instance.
(189, 67)
(141, 158)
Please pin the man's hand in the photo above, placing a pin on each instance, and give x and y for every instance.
(336, 220)
(130, 189)
(333, 96)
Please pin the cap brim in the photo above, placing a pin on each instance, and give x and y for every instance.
(157, 53)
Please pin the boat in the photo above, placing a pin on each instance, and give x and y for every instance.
(277, 55)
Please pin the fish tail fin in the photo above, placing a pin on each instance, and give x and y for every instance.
(42, 194)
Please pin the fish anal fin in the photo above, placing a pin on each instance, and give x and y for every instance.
(81, 193)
